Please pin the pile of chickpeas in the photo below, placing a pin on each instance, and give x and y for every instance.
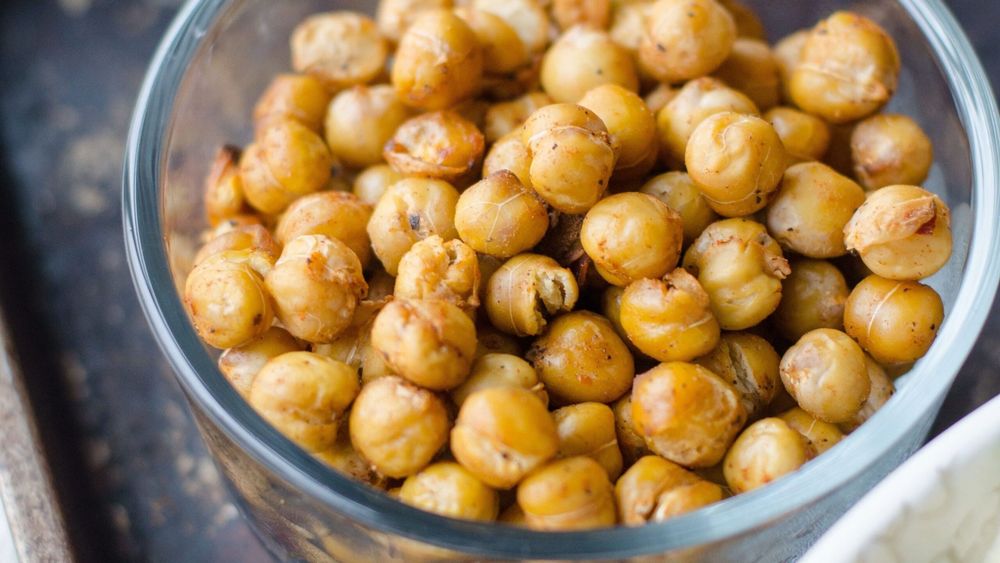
(568, 264)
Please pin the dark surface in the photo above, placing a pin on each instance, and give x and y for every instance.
(137, 482)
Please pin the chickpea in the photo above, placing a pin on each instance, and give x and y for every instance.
(628, 24)
(429, 342)
(788, 53)
(509, 153)
(374, 181)
(806, 137)
(680, 193)
(435, 269)
(224, 187)
(825, 373)
(505, 117)
(568, 494)
(901, 232)
(752, 69)
(500, 217)
(631, 126)
(360, 121)
(398, 427)
(241, 364)
(582, 59)
(492, 341)
(394, 17)
(765, 451)
(438, 63)
(695, 101)
(340, 49)
(287, 161)
(299, 97)
(654, 490)
(226, 298)
(588, 429)
(316, 285)
(503, 50)
(895, 321)
(243, 237)
(304, 395)
(556, 116)
(748, 363)
(632, 445)
(570, 167)
(449, 489)
(736, 161)
(881, 391)
(595, 14)
(411, 210)
(499, 370)
(849, 68)
(441, 145)
(748, 24)
(502, 434)
(820, 436)
(527, 17)
(229, 224)
(685, 39)
(581, 358)
(812, 297)
(337, 215)
(810, 210)
(527, 289)
(669, 319)
(890, 149)
(659, 97)
(686, 413)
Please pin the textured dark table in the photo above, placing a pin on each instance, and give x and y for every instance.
(137, 482)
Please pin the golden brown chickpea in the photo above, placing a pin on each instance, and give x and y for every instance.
(806, 137)
(881, 391)
(449, 489)
(395, 16)
(500, 217)
(555, 116)
(590, 13)
(849, 68)
(504, 117)
(680, 193)
(584, 58)
(695, 101)
(411, 210)
(397, 426)
(686, 413)
(226, 298)
(571, 167)
(338, 215)
(441, 145)
(819, 435)
(588, 429)
(654, 490)
(765, 451)
(502, 434)
(340, 49)
(669, 319)
(630, 442)
(812, 297)
(431, 343)
(568, 494)
(788, 53)
(492, 341)
(895, 321)
(750, 364)
(685, 39)
(287, 161)
(890, 149)
(374, 181)
(527, 289)
(360, 121)
(241, 364)
(499, 370)
(343, 458)
(631, 126)
(503, 50)
(659, 97)
(825, 373)
(438, 63)
(581, 358)
(316, 286)
(736, 161)
(901, 232)
(752, 69)
(299, 97)
(811, 208)
(435, 269)
(748, 24)
(527, 18)
(224, 187)
(304, 395)
(509, 153)
(243, 237)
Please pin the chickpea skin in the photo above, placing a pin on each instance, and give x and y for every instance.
(568, 494)
(499, 216)
(438, 63)
(242, 237)
(890, 149)
(825, 373)
(226, 298)
(527, 289)
(337, 215)
(812, 296)
(411, 210)
(340, 49)
(588, 429)
(449, 489)
(685, 39)
(765, 451)
(441, 145)
(584, 58)
(654, 490)
(894, 321)
(750, 364)
(360, 121)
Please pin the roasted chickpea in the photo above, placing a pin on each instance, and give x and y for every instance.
(811, 208)
(500, 217)
(233, 223)
(411, 210)
(527, 289)
(590, 13)
(299, 97)
(825, 373)
(584, 58)
(505, 117)
(848, 69)
(395, 16)
(632, 445)
(881, 391)
(555, 116)
(686, 413)
(568, 494)
(449, 489)
(812, 297)
(429, 342)
(224, 187)
(338, 215)
(669, 319)
(243, 237)
(901, 232)
(287, 161)
(441, 145)
(438, 63)
(503, 50)
(397, 426)
(570, 167)
(895, 321)
(685, 39)
(374, 181)
(316, 285)
(659, 97)
(581, 358)
(509, 153)
(654, 490)
(890, 149)
(752, 69)
(748, 363)
(502, 434)
(788, 53)
(226, 297)
(630, 124)
(241, 364)
(765, 451)
(340, 49)
(748, 24)
(588, 429)
(435, 269)
(819, 435)
(304, 395)
(360, 121)
(736, 161)
(806, 137)
(680, 193)
(499, 370)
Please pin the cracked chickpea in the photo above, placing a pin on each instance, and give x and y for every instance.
(340, 49)
(337, 215)
(299, 97)
(568, 494)
(654, 490)
(750, 364)
(449, 489)
(752, 69)
(765, 451)
(894, 321)
(679, 192)
(584, 58)
(588, 429)
(437, 269)
(685, 39)
(805, 137)
(438, 63)
(360, 121)
(526, 290)
(241, 364)
(500, 217)
(441, 145)
(286, 162)
(631, 126)
(825, 373)
(226, 297)
(890, 149)
(411, 210)
(812, 297)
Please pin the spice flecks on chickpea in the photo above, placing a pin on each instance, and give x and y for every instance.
(226, 298)
(438, 63)
(750, 364)
(437, 269)
(411, 210)
(685, 39)
(441, 145)
(287, 161)
(499, 216)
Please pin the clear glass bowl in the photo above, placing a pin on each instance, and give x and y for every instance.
(214, 62)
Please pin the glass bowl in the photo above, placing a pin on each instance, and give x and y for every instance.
(213, 63)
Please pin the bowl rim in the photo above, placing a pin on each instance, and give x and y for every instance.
(144, 165)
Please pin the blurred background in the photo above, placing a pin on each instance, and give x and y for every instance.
(134, 479)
